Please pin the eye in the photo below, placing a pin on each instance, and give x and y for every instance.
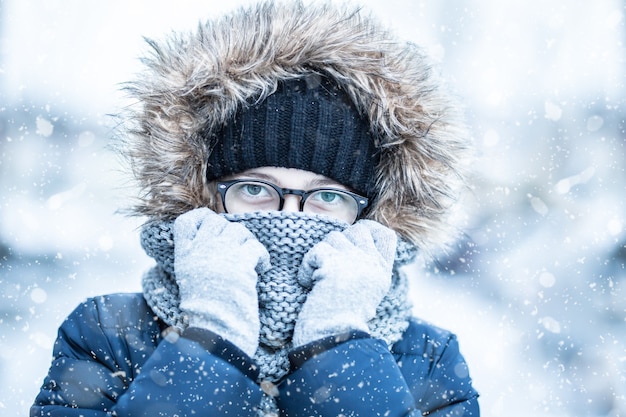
(330, 200)
(253, 189)
(336, 203)
(247, 196)
(329, 197)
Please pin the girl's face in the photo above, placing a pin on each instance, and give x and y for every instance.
(288, 189)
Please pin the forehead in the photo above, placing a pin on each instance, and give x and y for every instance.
(289, 177)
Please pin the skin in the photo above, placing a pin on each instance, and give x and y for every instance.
(287, 178)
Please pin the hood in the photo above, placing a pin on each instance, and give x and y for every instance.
(194, 82)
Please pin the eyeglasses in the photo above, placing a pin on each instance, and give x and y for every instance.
(240, 196)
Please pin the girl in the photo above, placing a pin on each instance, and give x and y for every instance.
(292, 159)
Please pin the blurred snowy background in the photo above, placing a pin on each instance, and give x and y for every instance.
(536, 291)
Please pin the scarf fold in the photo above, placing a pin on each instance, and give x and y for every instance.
(287, 237)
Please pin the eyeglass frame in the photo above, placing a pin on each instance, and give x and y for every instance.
(223, 186)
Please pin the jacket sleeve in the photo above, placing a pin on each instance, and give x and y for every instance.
(106, 370)
(356, 377)
(207, 376)
(436, 373)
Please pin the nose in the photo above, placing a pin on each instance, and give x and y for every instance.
(292, 203)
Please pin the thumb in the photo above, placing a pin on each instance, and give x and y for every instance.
(322, 253)
(305, 273)
(310, 263)
(264, 263)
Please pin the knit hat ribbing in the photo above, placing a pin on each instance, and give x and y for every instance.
(309, 123)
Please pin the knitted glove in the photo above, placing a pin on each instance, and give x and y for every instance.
(350, 273)
(216, 263)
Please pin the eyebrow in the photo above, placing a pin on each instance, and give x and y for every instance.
(326, 182)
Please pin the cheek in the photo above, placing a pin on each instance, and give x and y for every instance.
(215, 203)
(219, 207)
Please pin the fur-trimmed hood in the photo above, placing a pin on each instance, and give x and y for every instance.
(195, 82)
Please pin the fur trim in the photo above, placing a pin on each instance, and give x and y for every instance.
(194, 82)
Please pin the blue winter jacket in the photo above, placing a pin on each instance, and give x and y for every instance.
(110, 359)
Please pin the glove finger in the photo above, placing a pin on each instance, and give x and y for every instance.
(186, 225)
(214, 226)
(311, 262)
(264, 264)
(256, 250)
(359, 235)
(305, 275)
(338, 240)
(385, 239)
(373, 237)
(185, 232)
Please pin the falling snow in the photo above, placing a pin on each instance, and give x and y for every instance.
(536, 288)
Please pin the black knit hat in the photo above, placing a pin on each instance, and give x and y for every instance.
(309, 123)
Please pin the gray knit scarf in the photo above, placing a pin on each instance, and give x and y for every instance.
(287, 237)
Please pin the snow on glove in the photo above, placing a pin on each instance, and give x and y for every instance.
(350, 273)
(216, 263)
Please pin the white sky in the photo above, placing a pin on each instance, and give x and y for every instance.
(73, 53)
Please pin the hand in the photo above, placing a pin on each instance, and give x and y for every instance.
(349, 273)
(216, 263)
